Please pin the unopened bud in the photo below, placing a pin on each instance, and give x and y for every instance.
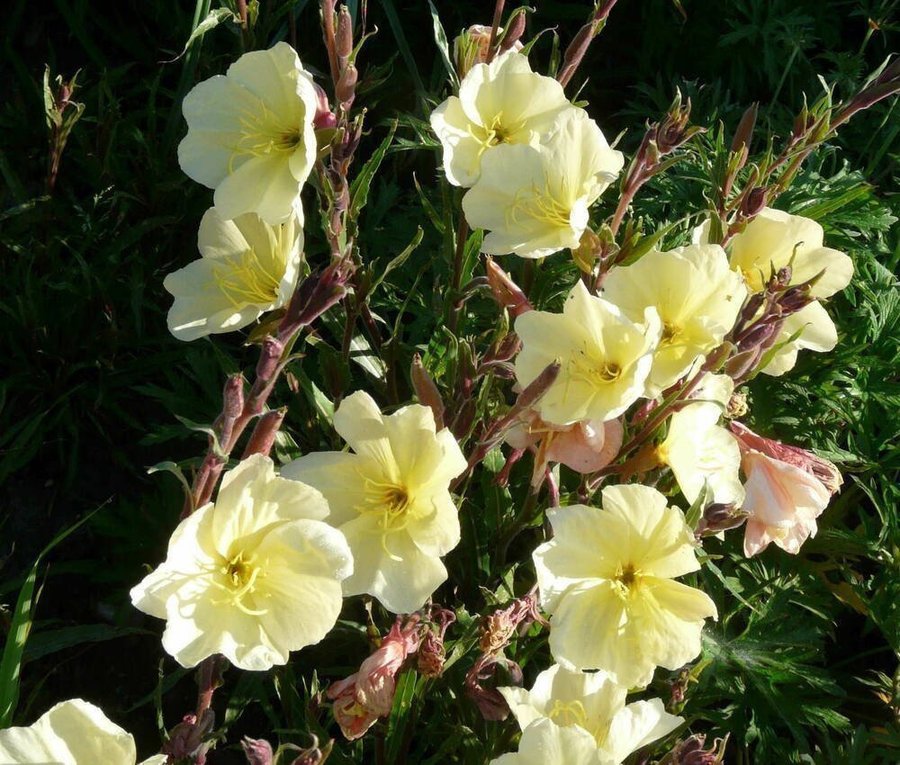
(346, 87)
(324, 116)
(741, 364)
(233, 397)
(506, 292)
(514, 32)
(794, 299)
(760, 335)
(426, 390)
(257, 751)
(588, 251)
(265, 433)
(471, 48)
(718, 517)
(343, 39)
(269, 358)
(744, 131)
(753, 204)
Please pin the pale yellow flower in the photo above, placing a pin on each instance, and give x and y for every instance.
(545, 743)
(775, 239)
(607, 578)
(73, 732)
(699, 450)
(605, 357)
(390, 497)
(595, 702)
(253, 577)
(535, 199)
(696, 294)
(501, 102)
(247, 267)
(250, 134)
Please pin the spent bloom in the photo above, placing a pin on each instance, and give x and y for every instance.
(696, 294)
(594, 702)
(699, 450)
(787, 488)
(247, 267)
(607, 578)
(534, 200)
(605, 357)
(253, 576)
(73, 732)
(775, 239)
(250, 134)
(584, 446)
(503, 102)
(363, 697)
(390, 497)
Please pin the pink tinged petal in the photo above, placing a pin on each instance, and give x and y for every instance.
(264, 185)
(756, 537)
(390, 567)
(337, 476)
(780, 494)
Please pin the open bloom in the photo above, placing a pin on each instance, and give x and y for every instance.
(607, 578)
(775, 239)
(696, 294)
(390, 498)
(535, 199)
(503, 102)
(247, 267)
(254, 576)
(699, 450)
(584, 446)
(787, 489)
(250, 134)
(595, 702)
(605, 357)
(73, 732)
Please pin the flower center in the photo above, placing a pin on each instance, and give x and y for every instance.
(670, 333)
(568, 713)
(627, 580)
(540, 205)
(244, 280)
(240, 575)
(390, 500)
(592, 370)
(264, 133)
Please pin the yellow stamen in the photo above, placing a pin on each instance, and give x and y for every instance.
(245, 280)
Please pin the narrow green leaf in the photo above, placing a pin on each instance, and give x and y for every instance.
(440, 39)
(212, 20)
(359, 189)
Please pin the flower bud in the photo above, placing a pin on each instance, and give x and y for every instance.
(513, 33)
(718, 517)
(324, 118)
(506, 292)
(264, 434)
(471, 47)
(343, 39)
(744, 132)
(269, 358)
(753, 204)
(426, 390)
(257, 751)
(346, 87)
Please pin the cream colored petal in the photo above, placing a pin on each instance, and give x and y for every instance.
(703, 454)
(784, 360)
(218, 238)
(838, 268)
(337, 476)
(156, 759)
(191, 552)
(817, 330)
(461, 149)
(583, 548)
(586, 632)
(390, 567)
(434, 524)
(73, 732)
(667, 618)
(545, 743)
(264, 185)
(562, 693)
(272, 76)
(306, 561)
(637, 725)
(423, 457)
(359, 421)
(522, 705)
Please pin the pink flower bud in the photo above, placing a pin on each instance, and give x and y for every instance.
(506, 292)
(324, 116)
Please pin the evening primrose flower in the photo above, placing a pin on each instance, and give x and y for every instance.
(502, 102)
(73, 732)
(535, 199)
(607, 578)
(250, 134)
(699, 450)
(594, 702)
(253, 577)
(390, 497)
(775, 239)
(605, 357)
(247, 267)
(696, 294)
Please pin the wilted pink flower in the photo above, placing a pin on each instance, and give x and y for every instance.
(815, 466)
(787, 488)
(258, 751)
(584, 446)
(368, 694)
